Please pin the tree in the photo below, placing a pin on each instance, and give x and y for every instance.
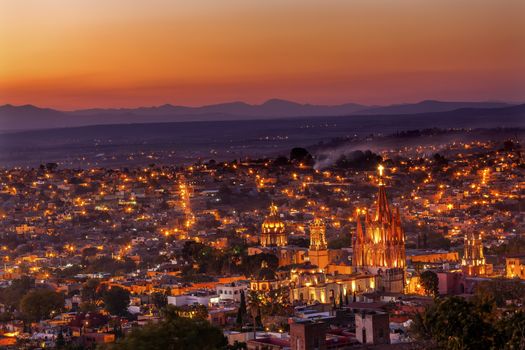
(160, 300)
(40, 304)
(359, 160)
(301, 155)
(340, 242)
(242, 309)
(88, 307)
(116, 301)
(251, 264)
(12, 295)
(60, 341)
(89, 252)
(499, 291)
(89, 291)
(254, 307)
(440, 160)
(511, 329)
(430, 282)
(237, 346)
(508, 145)
(195, 311)
(174, 332)
(454, 323)
(280, 161)
(272, 302)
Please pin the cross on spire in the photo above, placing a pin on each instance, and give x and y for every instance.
(380, 169)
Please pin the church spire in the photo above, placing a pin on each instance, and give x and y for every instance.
(383, 209)
(380, 242)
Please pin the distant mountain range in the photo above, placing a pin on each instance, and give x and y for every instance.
(179, 142)
(28, 117)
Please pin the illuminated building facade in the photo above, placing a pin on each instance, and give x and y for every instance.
(318, 251)
(265, 280)
(273, 230)
(312, 286)
(473, 262)
(379, 244)
(515, 267)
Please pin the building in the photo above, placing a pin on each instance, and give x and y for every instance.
(379, 244)
(200, 298)
(515, 266)
(451, 282)
(312, 286)
(473, 262)
(231, 291)
(318, 251)
(308, 335)
(372, 327)
(273, 230)
(265, 279)
(432, 257)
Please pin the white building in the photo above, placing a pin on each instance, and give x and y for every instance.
(231, 291)
(193, 299)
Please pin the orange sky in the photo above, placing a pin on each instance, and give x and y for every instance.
(85, 53)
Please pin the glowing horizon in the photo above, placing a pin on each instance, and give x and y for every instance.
(116, 53)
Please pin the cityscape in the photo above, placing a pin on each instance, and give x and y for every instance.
(374, 241)
(139, 210)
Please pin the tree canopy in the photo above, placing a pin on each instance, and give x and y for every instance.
(454, 323)
(39, 304)
(12, 295)
(116, 301)
(430, 282)
(173, 333)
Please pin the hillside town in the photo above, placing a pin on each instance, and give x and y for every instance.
(273, 254)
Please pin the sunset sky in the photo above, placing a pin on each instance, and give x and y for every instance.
(123, 53)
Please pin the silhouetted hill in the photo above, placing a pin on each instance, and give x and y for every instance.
(29, 117)
(431, 106)
(187, 141)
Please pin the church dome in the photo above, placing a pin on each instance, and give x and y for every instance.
(273, 230)
(273, 223)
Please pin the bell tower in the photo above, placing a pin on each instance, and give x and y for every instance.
(318, 251)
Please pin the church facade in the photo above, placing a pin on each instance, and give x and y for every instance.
(315, 274)
(379, 243)
(473, 262)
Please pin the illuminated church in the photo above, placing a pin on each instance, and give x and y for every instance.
(379, 244)
(473, 262)
(273, 230)
(378, 262)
